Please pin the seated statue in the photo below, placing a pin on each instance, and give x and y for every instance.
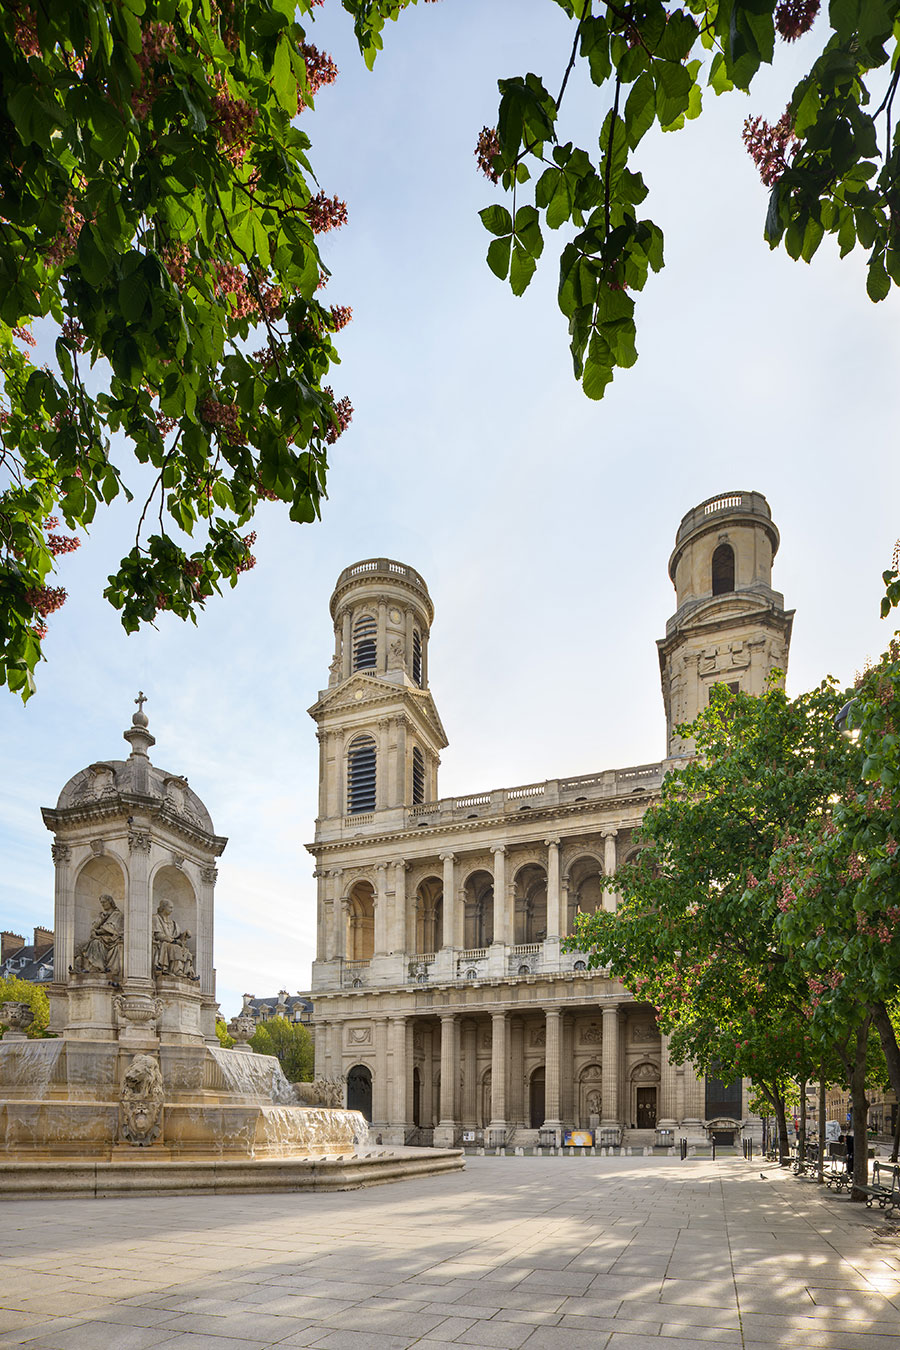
(102, 953)
(171, 954)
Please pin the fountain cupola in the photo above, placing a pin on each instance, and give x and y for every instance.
(134, 850)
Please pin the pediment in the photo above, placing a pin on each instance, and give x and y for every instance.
(367, 691)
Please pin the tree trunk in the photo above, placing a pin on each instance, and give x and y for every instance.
(801, 1137)
(820, 1172)
(896, 1145)
(860, 1114)
(888, 1036)
(784, 1148)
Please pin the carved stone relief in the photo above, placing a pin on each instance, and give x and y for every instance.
(359, 1035)
(645, 1073)
(644, 1031)
(141, 1103)
(538, 1036)
(592, 1034)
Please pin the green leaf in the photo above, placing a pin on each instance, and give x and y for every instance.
(521, 269)
(91, 256)
(640, 109)
(498, 256)
(673, 90)
(878, 283)
(496, 219)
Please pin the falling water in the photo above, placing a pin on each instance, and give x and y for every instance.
(251, 1075)
(30, 1066)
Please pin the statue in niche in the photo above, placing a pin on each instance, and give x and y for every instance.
(102, 953)
(397, 651)
(142, 1101)
(171, 954)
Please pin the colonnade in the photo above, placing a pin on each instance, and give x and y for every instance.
(401, 1049)
(394, 928)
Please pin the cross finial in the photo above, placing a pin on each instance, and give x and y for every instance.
(141, 700)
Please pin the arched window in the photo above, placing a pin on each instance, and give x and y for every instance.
(364, 647)
(723, 569)
(417, 657)
(418, 776)
(361, 775)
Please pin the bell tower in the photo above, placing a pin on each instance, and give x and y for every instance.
(380, 736)
(730, 626)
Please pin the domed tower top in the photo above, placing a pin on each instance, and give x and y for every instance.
(382, 616)
(725, 544)
(730, 626)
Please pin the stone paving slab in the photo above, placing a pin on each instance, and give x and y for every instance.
(512, 1254)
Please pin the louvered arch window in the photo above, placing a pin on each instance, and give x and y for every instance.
(418, 776)
(364, 642)
(361, 775)
(723, 570)
(417, 657)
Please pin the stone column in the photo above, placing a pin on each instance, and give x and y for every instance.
(611, 1112)
(399, 942)
(445, 1134)
(501, 916)
(666, 1117)
(138, 920)
(342, 925)
(498, 1078)
(552, 1119)
(410, 1066)
(555, 921)
(204, 967)
(380, 1098)
(381, 910)
(609, 867)
(427, 1098)
(564, 906)
(449, 861)
(346, 646)
(382, 764)
(516, 1108)
(469, 1114)
(694, 1101)
(64, 913)
(567, 1072)
(398, 1082)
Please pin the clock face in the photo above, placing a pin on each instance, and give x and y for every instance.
(395, 616)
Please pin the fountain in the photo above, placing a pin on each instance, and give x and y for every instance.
(134, 1094)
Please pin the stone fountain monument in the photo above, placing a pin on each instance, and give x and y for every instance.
(134, 1092)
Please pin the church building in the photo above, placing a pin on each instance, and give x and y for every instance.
(441, 988)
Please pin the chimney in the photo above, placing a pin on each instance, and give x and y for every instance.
(43, 941)
(9, 943)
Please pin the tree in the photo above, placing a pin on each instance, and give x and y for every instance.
(830, 162)
(696, 931)
(290, 1042)
(14, 990)
(159, 207)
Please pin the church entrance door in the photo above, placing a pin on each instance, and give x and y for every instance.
(538, 1079)
(646, 1108)
(359, 1090)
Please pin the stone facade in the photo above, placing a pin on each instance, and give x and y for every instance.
(442, 991)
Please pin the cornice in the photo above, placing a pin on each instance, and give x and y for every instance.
(378, 694)
(122, 807)
(485, 824)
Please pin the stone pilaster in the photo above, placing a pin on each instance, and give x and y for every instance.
(139, 921)
(427, 1113)
(446, 1132)
(64, 912)
(346, 646)
(399, 939)
(380, 1095)
(397, 1126)
(204, 967)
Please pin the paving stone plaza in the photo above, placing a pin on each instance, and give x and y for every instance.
(542, 1253)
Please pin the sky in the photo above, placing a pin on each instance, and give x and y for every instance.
(541, 522)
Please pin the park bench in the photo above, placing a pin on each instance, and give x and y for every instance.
(836, 1174)
(885, 1186)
